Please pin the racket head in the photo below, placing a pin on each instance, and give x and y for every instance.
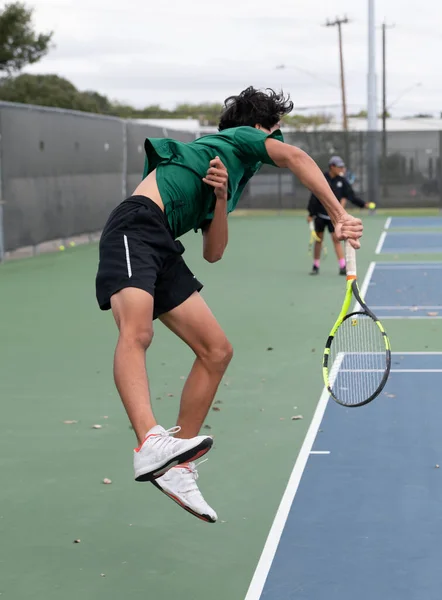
(357, 359)
(313, 237)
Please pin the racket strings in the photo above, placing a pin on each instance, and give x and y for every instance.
(357, 359)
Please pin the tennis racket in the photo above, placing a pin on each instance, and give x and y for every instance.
(315, 238)
(357, 355)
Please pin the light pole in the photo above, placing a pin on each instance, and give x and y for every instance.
(372, 154)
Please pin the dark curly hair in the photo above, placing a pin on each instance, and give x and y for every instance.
(254, 107)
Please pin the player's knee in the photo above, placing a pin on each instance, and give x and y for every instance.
(141, 335)
(218, 355)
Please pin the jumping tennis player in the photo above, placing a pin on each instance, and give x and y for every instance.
(142, 275)
(344, 192)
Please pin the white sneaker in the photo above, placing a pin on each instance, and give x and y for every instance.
(160, 451)
(180, 485)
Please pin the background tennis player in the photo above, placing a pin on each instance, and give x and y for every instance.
(317, 214)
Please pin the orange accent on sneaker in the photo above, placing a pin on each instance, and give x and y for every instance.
(199, 454)
(145, 439)
(183, 466)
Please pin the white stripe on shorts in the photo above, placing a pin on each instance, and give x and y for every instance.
(129, 267)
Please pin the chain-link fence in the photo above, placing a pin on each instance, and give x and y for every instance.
(62, 172)
(409, 167)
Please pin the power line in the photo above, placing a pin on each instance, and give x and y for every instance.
(307, 72)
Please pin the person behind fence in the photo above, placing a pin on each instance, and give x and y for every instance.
(142, 275)
(344, 192)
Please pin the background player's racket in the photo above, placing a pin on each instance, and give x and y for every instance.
(357, 355)
(314, 237)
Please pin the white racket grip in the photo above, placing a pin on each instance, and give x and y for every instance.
(312, 226)
(350, 259)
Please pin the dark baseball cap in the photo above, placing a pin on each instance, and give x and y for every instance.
(336, 161)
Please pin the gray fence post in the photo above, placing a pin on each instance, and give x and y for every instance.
(124, 169)
(2, 238)
(373, 167)
(439, 174)
(2, 244)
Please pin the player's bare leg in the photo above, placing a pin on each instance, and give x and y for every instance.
(317, 253)
(158, 451)
(196, 325)
(133, 309)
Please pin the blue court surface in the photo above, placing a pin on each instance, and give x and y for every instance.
(361, 517)
(405, 290)
(414, 222)
(410, 242)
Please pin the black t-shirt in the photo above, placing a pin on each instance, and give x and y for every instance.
(341, 189)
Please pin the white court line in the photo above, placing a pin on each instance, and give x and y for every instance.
(271, 545)
(391, 371)
(395, 352)
(381, 242)
(404, 317)
(268, 554)
(365, 284)
(413, 307)
(413, 232)
(367, 279)
(432, 353)
(436, 266)
(357, 354)
(387, 223)
(320, 452)
(416, 370)
(411, 250)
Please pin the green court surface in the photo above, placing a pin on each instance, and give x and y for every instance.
(56, 365)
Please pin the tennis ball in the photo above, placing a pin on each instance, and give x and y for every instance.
(371, 205)
(71, 244)
(61, 248)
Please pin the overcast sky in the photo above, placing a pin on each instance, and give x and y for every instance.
(171, 51)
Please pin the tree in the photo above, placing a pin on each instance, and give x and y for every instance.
(124, 111)
(362, 114)
(422, 116)
(304, 122)
(20, 45)
(98, 102)
(51, 90)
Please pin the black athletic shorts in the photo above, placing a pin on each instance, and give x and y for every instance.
(321, 224)
(137, 249)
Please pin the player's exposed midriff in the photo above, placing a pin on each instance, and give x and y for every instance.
(149, 188)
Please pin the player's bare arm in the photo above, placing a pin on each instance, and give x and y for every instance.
(309, 174)
(216, 233)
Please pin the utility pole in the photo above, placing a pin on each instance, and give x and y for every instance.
(338, 23)
(384, 106)
(384, 79)
(371, 79)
